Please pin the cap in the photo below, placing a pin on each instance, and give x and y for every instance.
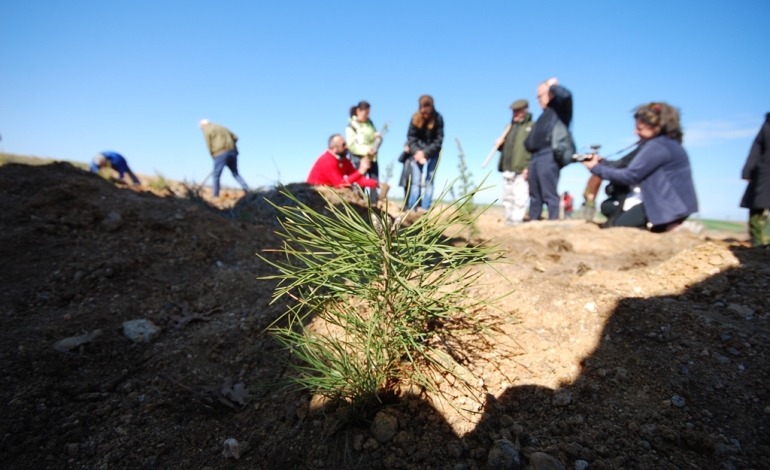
(519, 104)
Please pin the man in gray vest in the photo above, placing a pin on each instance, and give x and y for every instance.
(514, 163)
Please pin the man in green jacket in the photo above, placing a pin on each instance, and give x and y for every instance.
(221, 143)
(514, 163)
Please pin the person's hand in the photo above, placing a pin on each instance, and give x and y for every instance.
(591, 162)
(525, 174)
(499, 142)
(406, 149)
(364, 166)
(370, 153)
(377, 134)
(419, 157)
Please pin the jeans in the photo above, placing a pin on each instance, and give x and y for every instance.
(418, 193)
(229, 160)
(373, 173)
(543, 180)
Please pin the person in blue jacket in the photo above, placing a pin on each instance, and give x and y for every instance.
(661, 169)
(543, 176)
(117, 162)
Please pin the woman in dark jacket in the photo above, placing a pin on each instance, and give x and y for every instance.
(661, 168)
(757, 196)
(424, 139)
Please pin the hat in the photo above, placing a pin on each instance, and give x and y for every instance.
(519, 104)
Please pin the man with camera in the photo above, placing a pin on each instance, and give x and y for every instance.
(551, 128)
(514, 163)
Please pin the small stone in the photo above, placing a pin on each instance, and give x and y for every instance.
(539, 267)
(741, 310)
(677, 401)
(581, 465)
(455, 450)
(716, 261)
(140, 331)
(384, 427)
(590, 306)
(506, 421)
(504, 456)
(543, 461)
(358, 442)
(319, 404)
(231, 449)
(371, 444)
(562, 398)
(68, 344)
(73, 449)
(767, 410)
(721, 359)
(112, 222)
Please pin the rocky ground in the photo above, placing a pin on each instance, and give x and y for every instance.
(615, 349)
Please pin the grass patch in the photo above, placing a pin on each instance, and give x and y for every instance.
(384, 300)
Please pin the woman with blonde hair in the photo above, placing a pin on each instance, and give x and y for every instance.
(424, 139)
(661, 169)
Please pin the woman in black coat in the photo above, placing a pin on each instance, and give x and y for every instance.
(424, 140)
(757, 196)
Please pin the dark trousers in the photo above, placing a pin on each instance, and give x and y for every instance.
(230, 160)
(543, 180)
(633, 217)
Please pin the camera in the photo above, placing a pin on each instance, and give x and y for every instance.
(583, 156)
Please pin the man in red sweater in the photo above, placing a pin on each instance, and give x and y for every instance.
(333, 168)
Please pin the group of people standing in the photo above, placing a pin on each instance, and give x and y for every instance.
(650, 188)
(657, 176)
(353, 159)
(531, 154)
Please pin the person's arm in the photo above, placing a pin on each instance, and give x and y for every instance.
(208, 137)
(434, 147)
(561, 102)
(649, 159)
(413, 139)
(757, 148)
(350, 138)
(356, 176)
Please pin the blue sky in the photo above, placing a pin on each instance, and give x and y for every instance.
(79, 77)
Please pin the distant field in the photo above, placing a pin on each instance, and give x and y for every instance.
(723, 225)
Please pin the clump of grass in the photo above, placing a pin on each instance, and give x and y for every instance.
(385, 297)
(160, 183)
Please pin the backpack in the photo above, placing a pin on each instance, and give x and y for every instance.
(563, 144)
